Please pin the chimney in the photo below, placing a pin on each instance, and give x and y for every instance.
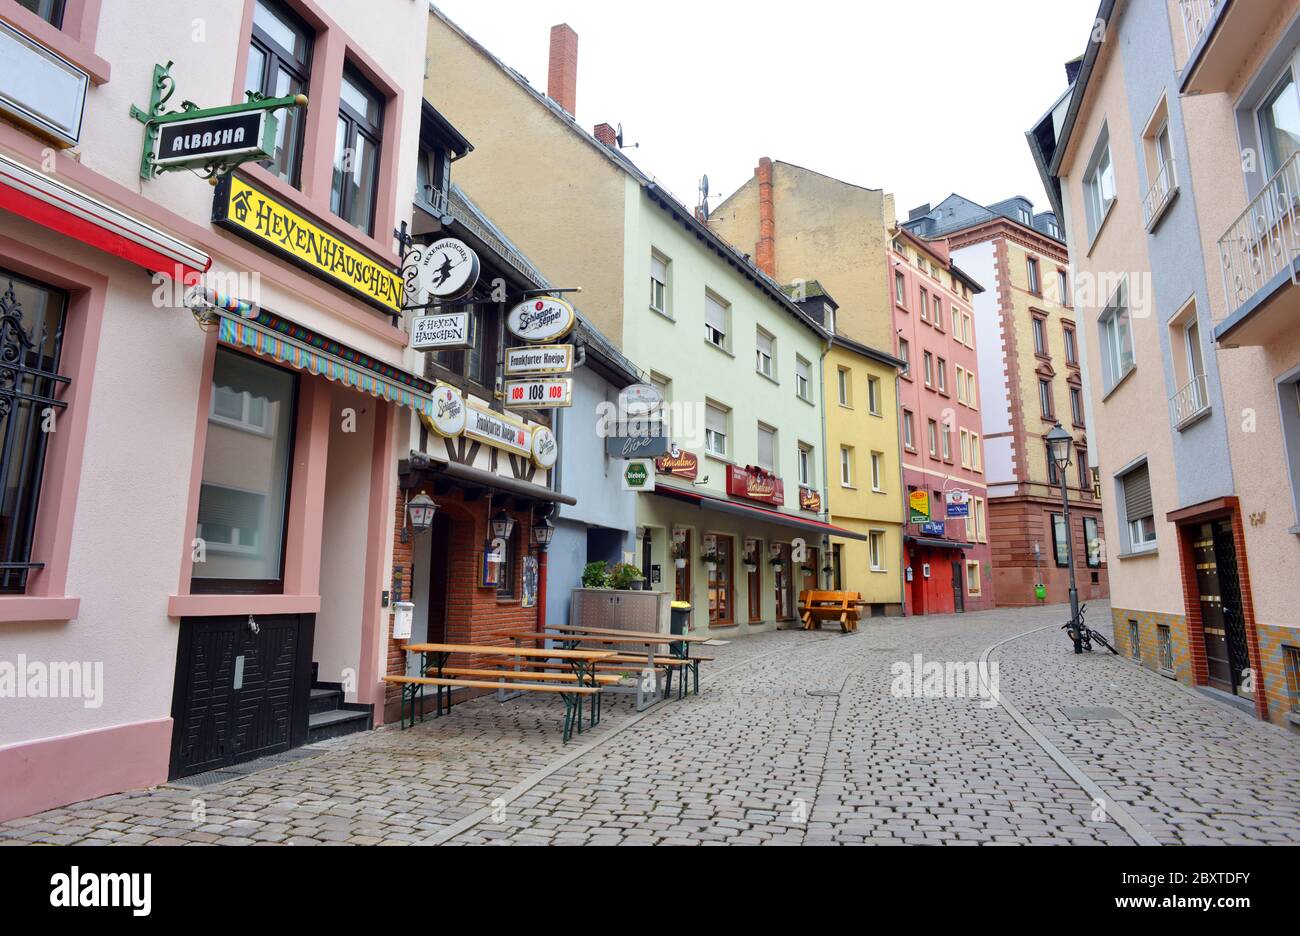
(562, 76)
(606, 135)
(765, 251)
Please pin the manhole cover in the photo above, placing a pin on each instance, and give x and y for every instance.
(823, 692)
(1092, 713)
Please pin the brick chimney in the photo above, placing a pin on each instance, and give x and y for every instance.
(562, 76)
(765, 251)
(605, 133)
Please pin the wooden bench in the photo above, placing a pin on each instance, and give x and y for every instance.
(818, 606)
(413, 689)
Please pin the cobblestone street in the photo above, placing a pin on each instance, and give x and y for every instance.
(795, 738)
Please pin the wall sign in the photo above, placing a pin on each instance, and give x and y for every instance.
(541, 319)
(539, 359)
(810, 499)
(918, 503)
(639, 475)
(755, 484)
(254, 215)
(652, 443)
(640, 399)
(545, 449)
(528, 597)
(679, 464)
(542, 392)
(441, 331)
(933, 528)
(449, 411)
(193, 144)
(446, 270)
(498, 431)
(41, 89)
(957, 504)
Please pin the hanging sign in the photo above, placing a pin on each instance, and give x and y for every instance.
(640, 399)
(810, 499)
(539, 393)
(957, 504)
(918, 503)
(539, 359)
(755, 484)
(444, 271)
(498, 431)
(541, 319)
(643, 439)
(449, 412)
(545, 449)
(40, 88)
(679, 464)
(639, 475)
(254, 215)
(441, 331)
(193, 144)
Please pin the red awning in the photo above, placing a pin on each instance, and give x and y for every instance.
(762, 514)
(39, 197)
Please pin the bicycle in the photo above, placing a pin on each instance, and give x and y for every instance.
(1086, 634)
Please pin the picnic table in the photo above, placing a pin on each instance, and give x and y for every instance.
(583, 680)
(818, 606)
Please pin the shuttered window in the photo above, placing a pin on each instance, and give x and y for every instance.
(715, 322)
(1137, 494)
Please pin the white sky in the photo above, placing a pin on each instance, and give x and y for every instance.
(918, 98)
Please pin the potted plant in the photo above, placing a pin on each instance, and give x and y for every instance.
(711, 559)
(626, 577)
(595, 575)
(751, 563)
(681, 553)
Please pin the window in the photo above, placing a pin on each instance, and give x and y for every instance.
(805, 464)
(802, 379)
(1288, 396)
(715, 322)
(715, 430)
(1138, 508)
(1060, 541)
(956, 323)
(472, 363)
(942, 370)
(509, 557)
(1053, 476)
(279, 65)
(972, 577)
(1165, 647)
(1279, 123)
(1063, 287)
(846, 466)
(873, 395)
(971, 399)
(720, 582)
(1116, 334)
(1135, 639)
(765, 344)
(932, 430)
(929, 368)
(1071, 349)
(356, 152)
(925, 304)
(1076, 405)
(49, 10)
(980, 531)
(1045, 397)
(1099, 186)
(938, 313)
(963, 440)
(876, 547)
(30, 380)
(967, 333)
(946, 438)
(1292, 656)
(766, 448)
(976, 459)
(845, 378)
(905, 354)
(900, 289)
(878, 471)
(243, 498)
(659, 284)
(909, 441)
(1040, 336)
(1092, 542)
(1081, 463)
(1035, 282)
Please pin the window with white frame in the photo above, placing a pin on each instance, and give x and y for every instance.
(1063, 287)
(946, 438)
(909, 440)
(878, 471)
(766, 348)
(941, 371)
(1115, 330)
(1278, 119)
(876, 548)
(715, 430)
(900, 289)
(961, 384)
(716, 313)
(1035, 278)
(1071, 349)
(905, 354)
(928, 358)
(1139, 510)
(846, 466)
(1099, 185)
(938, 312)
(805, 464)
(1040, 335)
(803, 379)
(976, 461)
(963, 438)
(767, 447)
(932, 430)
(972, 577)
(873, 395)
(925, 304)
(659, 283)
(971, 399)
(844, 376)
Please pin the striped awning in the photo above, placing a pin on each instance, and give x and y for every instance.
(244, 325)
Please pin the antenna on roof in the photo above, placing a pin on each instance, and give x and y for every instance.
(704, 197)
(618, 137)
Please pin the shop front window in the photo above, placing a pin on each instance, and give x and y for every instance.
(506, 580)
(720, 583)
(243, 500)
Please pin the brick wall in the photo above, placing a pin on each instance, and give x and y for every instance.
(1147, 651)
(1014, 525)
(1272, 638)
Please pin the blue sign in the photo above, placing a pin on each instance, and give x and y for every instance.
(933, 528)
(958, 504)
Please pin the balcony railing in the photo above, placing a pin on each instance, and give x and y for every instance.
(1160, 194)
(1190, 403)
(1264, 241)
(1197, 16)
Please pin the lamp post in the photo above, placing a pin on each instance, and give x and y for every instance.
(1059, 443)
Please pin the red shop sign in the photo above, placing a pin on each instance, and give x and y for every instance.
(755, 484)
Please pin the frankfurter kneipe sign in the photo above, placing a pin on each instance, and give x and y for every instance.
(256, 216)
(499, 431)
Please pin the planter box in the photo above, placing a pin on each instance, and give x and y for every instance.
(646, 611)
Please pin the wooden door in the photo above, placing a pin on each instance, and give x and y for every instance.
(721, 584)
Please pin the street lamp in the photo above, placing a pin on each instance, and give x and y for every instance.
(1059, 444)
(543, 532)
(419, 512)
(502, 525)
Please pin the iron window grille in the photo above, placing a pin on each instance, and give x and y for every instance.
(31, 343)
(1135, 639)
(1166, 644)
(1292, 655)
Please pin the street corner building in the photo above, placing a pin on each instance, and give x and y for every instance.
(211, 524)
(1186, 292)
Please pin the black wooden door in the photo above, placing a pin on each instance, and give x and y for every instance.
(1234, 620)
(958, 588)
(241, 690)
(1219, 593)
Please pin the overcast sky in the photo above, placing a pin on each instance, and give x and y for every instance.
(918, 98)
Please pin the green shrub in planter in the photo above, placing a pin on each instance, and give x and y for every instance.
(595, 575)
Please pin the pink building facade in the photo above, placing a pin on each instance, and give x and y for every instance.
(946, 555)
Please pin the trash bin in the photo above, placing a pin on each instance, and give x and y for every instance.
(680, 622)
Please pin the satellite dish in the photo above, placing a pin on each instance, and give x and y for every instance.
(704, 187)
(619, 136)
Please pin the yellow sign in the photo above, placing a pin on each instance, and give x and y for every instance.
(255, 215)
(919, 502)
